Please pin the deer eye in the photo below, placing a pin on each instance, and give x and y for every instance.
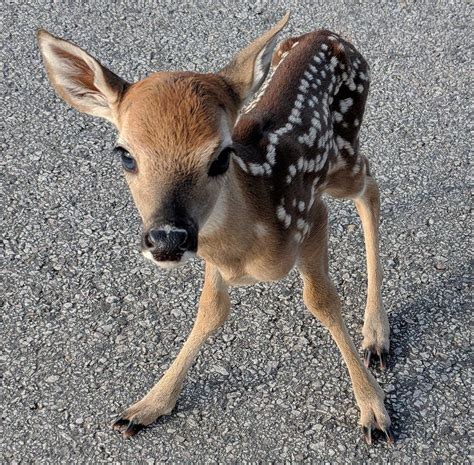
(221, 164)
(128, 162)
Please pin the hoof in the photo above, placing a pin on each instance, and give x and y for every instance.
(126, 427)
(377, 356)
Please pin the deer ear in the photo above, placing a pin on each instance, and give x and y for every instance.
(80, 79)
(247, 71)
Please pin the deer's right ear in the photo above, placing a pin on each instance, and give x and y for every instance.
(247, 71)
(80, 79)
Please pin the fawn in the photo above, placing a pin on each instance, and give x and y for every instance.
(239, 182)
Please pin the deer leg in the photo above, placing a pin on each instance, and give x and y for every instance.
(322, 301)
(213, 310)
(376, 330)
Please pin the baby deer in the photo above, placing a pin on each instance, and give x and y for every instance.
(239, 183)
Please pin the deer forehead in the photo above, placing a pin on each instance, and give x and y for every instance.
(175, 116)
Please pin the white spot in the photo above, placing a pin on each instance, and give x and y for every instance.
(298, 237)
(324, 47)
(256, 169)
(333, 63)
(295, 112)
(300, 163)
(267, 168)
(337, 116)
(281, 212)
(271, 154)
(356, 122)
(273, 138)
(292, 170)
(287, 221)
(345, 104)
(356, 168)
(294, 119)
(301, 206)
(360, 88)
(344, 144)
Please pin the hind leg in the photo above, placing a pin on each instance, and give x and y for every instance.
(322, 301)
(376, 330)
(362, 188)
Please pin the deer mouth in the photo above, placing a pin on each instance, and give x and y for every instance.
(169, 262)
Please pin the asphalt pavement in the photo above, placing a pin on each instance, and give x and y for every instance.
(88, 325)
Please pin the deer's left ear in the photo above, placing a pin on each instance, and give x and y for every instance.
(247, 71)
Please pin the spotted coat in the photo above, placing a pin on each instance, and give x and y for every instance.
(303, 125)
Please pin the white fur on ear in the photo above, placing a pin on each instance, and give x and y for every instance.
(262, 65)
(79, 78)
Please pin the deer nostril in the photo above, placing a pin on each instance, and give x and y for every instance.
(155, 237)
(162, 239)
(178, 237)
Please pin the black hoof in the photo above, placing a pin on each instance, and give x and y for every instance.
(389, 435)
(119, 423)
(132, 429)
(373, 355)
(126, 427)
(368, 438)
(367, 432)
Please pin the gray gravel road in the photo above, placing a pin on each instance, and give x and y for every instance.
(88, 325)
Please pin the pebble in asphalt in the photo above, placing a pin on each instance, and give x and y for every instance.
(88, 326)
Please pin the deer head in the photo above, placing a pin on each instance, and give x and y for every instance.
(174, 133)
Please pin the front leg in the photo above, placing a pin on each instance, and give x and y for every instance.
(214, 307)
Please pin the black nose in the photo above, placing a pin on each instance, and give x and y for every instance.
(166, 244)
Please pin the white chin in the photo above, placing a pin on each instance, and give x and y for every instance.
(167, 265)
